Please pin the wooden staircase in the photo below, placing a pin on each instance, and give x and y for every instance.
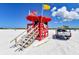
(27, 39)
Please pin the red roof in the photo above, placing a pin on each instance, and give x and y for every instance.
(38, 18)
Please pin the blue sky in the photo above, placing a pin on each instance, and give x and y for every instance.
(13, 15)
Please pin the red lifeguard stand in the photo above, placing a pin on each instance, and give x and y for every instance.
(41, 22)
(37, 29)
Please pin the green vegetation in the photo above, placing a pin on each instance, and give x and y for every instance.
(66, 27)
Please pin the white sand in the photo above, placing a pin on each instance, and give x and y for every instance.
(53, 46)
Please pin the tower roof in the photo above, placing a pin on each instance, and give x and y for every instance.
(38, 18)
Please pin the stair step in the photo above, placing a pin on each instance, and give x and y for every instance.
(28, 39)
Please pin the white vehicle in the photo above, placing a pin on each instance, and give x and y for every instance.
(62, 34)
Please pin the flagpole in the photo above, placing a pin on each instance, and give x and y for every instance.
(42, 12)
(29, 12)
(40, 24)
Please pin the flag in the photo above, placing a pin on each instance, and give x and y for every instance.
(46, 7)
(33, 13)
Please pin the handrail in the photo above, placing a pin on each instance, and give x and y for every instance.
(28, 33)
(30, 38)
(19, 35)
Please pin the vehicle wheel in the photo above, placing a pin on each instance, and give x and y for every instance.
(67, 38)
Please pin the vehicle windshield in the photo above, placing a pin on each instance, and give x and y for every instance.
(61, 30)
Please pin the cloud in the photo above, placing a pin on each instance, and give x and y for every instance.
(65, 14)
(77, 10)
(53, 9)
(72, 9)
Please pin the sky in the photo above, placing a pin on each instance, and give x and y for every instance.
(13, 15)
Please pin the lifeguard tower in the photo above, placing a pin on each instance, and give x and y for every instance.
(36, 30)
(41, 22)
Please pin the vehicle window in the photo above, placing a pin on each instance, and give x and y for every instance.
(64, 31)
(59, 30)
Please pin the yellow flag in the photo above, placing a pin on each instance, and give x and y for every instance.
(46, 7)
